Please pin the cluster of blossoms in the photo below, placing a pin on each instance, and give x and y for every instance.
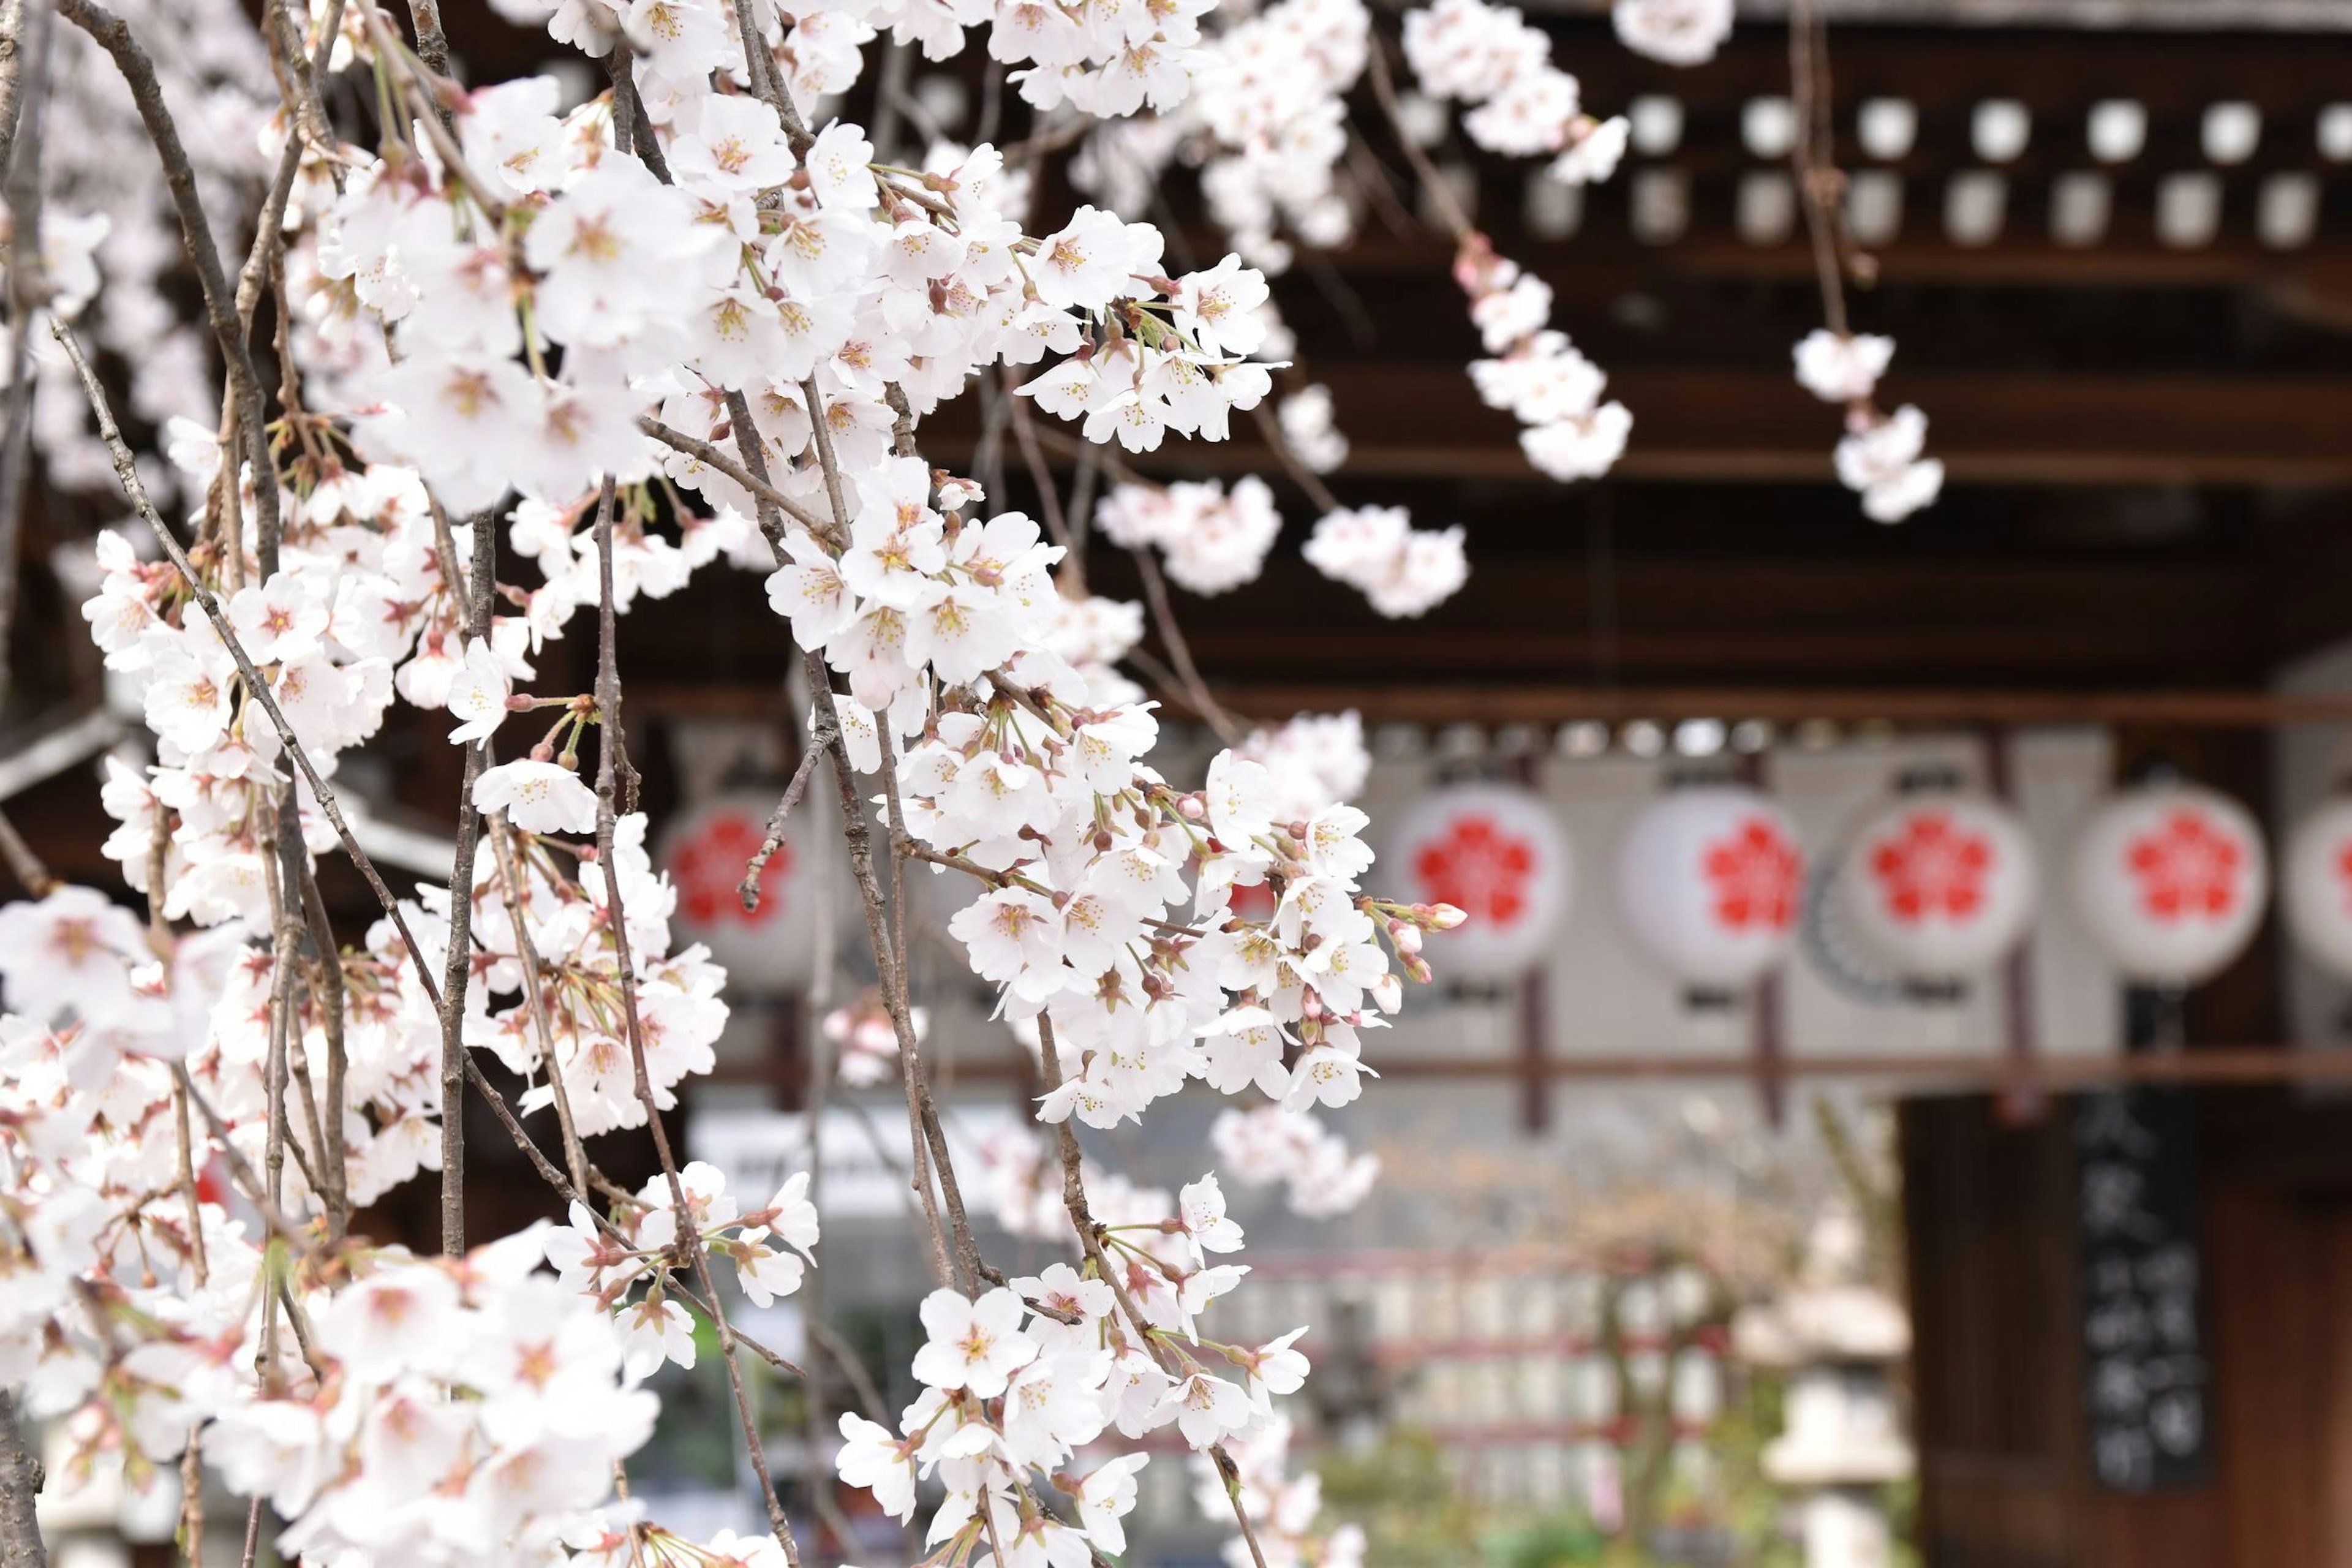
(1403, 571)
(1520, 104)
(1267, 123)
(637, 1251)
(865, 1042)
(1212, 541)
(1316, 760)
(1020, 1379)
(1161, 353)
(451, 1411)
(1537, 375)
(1089, 853)
(1677, 32)
(1270, 110)
(510, 340)
(1309, 430)
(1271, 1145)
(1880, 456)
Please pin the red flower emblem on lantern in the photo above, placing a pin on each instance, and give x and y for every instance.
(1930, 866)
(1753, 876)
(1478, 868)
(2186, 868)
(2344, 874)
(709, 869)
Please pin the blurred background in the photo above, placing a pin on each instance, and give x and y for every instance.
(1886, 1105)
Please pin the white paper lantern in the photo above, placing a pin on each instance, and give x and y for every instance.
(1496, 853)
(1711, 881)
(2315, 886)
(706, 851)
(2169, 881)
(1939, 887)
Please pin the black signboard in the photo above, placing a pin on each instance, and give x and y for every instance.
(2143, 1354)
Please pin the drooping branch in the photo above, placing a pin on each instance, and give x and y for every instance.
(612, 763)
(113, 34)
(761, 491)
(24, 97)
(1090, 1237)
(126, 472)
(479, 586)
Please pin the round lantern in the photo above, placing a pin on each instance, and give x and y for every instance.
(2315, 886)
(705, 851)
(1711, 883)
(2169, 881)
(1939, 887)
(1496, 853)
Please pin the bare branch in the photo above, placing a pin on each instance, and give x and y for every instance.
(749, 888)
(454, 983)
(113, 34)
(22, 864)
(1179, 652)
(761, 491)
(1091, 1234)
(24, 96)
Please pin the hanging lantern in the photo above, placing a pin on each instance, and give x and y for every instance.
(2169, 881)
(1496, 853)
(706, 851)
(1939, 887)
(1710, 881)
(2315, 886)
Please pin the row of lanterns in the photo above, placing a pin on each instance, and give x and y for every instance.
(1936, 887)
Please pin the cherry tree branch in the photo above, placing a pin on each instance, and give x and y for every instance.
(113, 34)
(1091, 1234)
(22, 864)
(761, 491)
(749, 888)
(126, 471)
(453, 985)
(23, 95)
(610, 768)
(21, 1478)
(575, 1154)
(1179, 652)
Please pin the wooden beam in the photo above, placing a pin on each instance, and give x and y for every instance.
(1547, 705)
(2211, 1066)
(2208, 1066)
(2086, 16)
(1424, 421)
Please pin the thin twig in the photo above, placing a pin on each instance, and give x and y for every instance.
(113, 34)
(749, 888)
(609, 768)
(24, 97)
(1433, 183)
(1090, 1234)
(23, 863)
(126, 470)
(575, 1153)
(761, 491)
(1179, 652)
